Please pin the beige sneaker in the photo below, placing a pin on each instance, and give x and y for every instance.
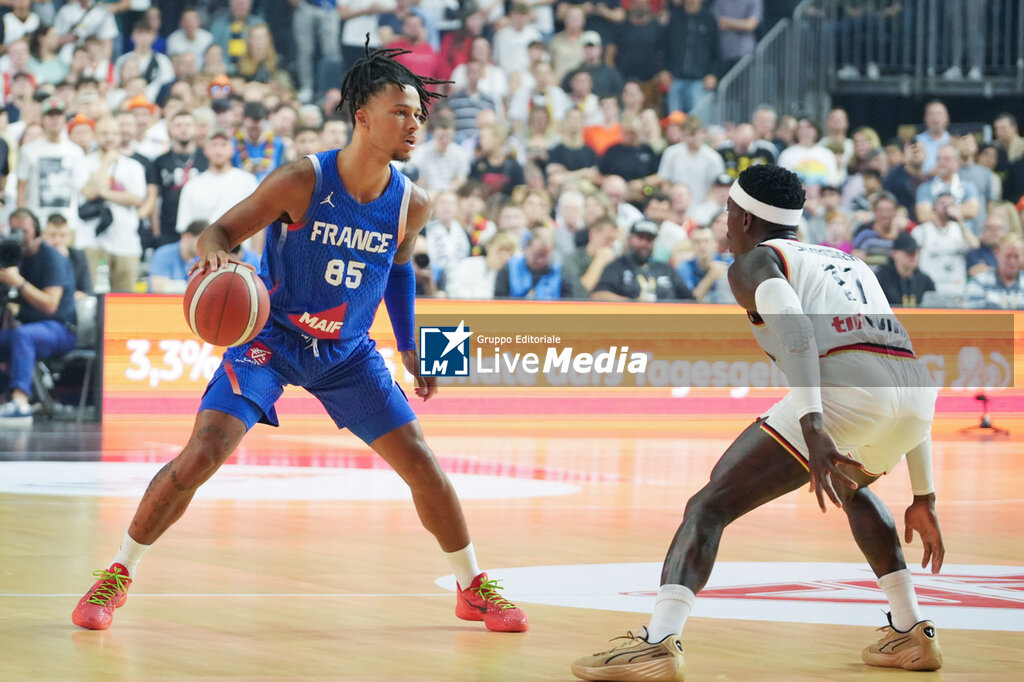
(917, 649)
(635, 660)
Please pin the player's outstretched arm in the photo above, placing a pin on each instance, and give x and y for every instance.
(920, 515)
(760, 286)
(400, 295)
(284, 195)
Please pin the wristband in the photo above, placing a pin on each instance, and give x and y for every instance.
(400, 299)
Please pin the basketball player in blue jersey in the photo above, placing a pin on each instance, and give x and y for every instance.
(859, 402)
(343, 225)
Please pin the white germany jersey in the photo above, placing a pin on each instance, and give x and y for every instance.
(842, 298)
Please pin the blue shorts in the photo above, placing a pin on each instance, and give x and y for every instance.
(349, 378)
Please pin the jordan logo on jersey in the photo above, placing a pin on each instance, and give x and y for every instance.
(328, 200)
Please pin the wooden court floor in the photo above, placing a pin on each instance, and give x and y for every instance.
(267, 585)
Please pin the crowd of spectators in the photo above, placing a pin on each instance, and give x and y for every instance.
(564, 162)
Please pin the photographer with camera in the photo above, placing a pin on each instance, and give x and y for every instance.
(40, 280)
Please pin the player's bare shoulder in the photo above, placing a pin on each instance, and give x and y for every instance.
(299, 171)
(419, 209)
(290, 188)
(749, 270)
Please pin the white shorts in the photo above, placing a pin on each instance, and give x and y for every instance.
(875, 424)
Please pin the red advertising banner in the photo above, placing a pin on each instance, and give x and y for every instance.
(154, 365)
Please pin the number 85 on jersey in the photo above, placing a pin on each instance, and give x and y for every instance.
(338, 271)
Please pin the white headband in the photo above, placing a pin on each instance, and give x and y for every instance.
(773, 214)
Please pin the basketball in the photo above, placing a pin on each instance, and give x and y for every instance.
(227, 307)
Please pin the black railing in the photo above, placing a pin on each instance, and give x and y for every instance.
(909, 47)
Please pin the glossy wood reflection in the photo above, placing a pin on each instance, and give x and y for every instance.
(336, 589)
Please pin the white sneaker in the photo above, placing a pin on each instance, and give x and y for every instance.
(974, 74)
(13, 413)
(954, 73)
(305, 95)
(873, 71)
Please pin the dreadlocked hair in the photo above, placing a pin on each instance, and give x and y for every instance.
(375, 71)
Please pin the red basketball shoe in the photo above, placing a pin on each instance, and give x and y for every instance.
(481, 601)
(95, 610)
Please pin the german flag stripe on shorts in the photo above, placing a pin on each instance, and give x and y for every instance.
(876, 348)
(785, 444)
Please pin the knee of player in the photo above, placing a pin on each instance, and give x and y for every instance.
(708, 507)
(423, 468)
(201, 458)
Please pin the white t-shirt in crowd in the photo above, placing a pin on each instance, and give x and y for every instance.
(163, 70)
(15, 28)
(209, 195)
(511, 51)
(438, 170)
(591, 109)
(554, 99)
(354, 30)
(471, 279)
(51, 171)
(447, 245)
(121, 238)
(697, 171)
(814, 165)
(942, 256)
(544, 16)
(156, 142)
(704, 212)
(178, 43)
(96, 21)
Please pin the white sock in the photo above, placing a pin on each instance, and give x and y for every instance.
(671, 609)
(130, 554)
(899, 589)
(464, 566)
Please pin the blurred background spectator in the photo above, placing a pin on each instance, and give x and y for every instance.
(168, 271)
(1002, 287)
(902, 281)
(58, 234)
(564, 121)
(633, 276)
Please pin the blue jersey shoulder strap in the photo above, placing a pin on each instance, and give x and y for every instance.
(318, 161)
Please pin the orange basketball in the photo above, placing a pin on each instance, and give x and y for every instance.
(227, 307)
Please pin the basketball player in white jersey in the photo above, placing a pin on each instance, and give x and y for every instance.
(860, 401)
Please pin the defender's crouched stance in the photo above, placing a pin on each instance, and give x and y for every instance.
(857, 389)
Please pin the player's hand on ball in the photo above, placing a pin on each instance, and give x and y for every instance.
(920, 516)
(216, 260)
(426, 387)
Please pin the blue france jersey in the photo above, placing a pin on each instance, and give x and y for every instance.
(326, 274)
